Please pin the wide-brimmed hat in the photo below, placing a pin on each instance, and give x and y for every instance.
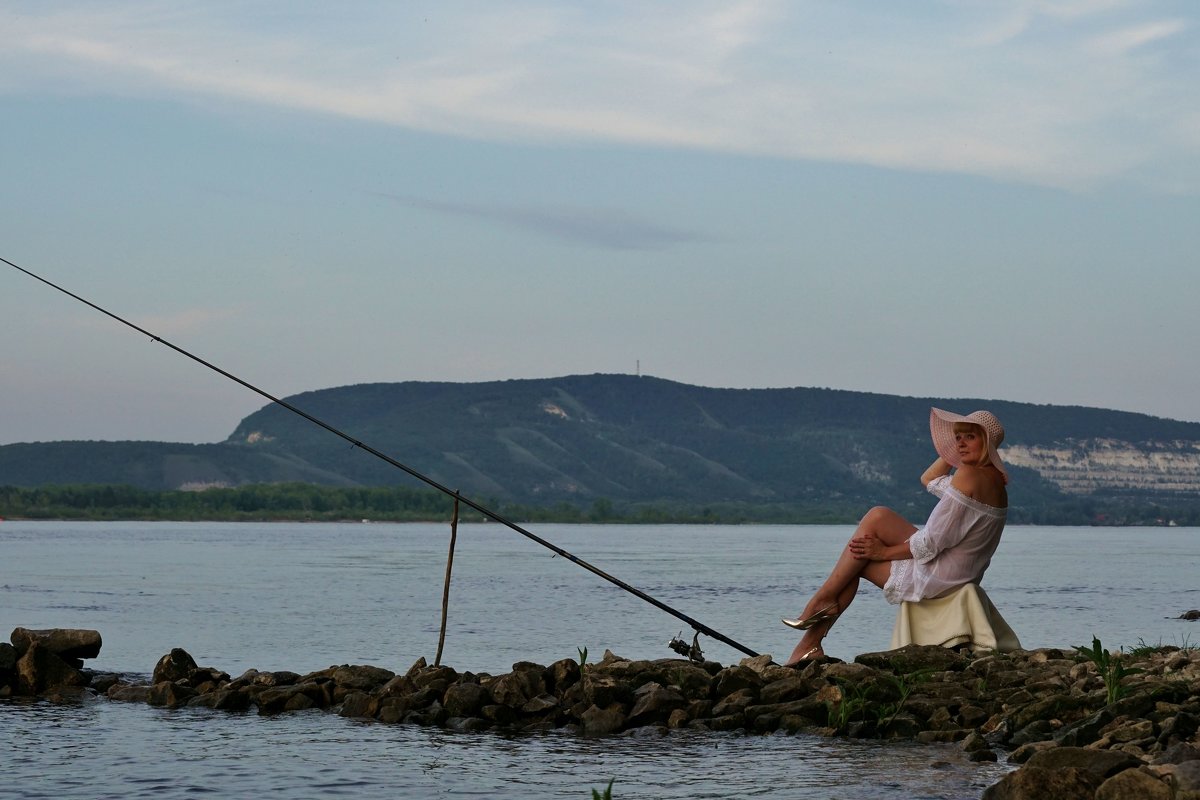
(941, 428)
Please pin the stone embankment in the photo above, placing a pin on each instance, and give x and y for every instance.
(1048, 710)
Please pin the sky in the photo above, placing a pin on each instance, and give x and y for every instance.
(940, 199)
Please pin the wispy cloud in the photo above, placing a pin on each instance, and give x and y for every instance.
(594, 227)
(1046, 91)
(1121, 41)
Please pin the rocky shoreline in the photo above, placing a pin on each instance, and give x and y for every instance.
(1108, 727)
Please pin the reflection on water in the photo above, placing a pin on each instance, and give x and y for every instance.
(112, 750)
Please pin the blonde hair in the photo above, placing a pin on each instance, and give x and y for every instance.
(978, 430)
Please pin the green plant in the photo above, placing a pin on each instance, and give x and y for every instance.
(885, 713)
(582, 656)
(1109, 665)
(1144, 648)
(841, 712)
(607, 793)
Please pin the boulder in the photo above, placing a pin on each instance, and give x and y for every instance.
(348, 679)
(358, 704)
(169, 695)
(8, 658)
(693, 682)
(465, 699)
(128, 693)
(519, 686)
(222, 700)
(1099, 764)
(541, 704)
(1133, 784)
(734, 703)
(792, 687)
(1185, 781)
(66, 643)
(1038, 783)
(40, 670)
(733, 679)
(914, 658)
(1178, 753)
(603, 690)
(603, 721)
(654, 703)
(176, 665)
(562, 675)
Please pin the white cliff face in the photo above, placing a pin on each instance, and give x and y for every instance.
(1082, 467)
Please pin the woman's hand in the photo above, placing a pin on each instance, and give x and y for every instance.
(867, 547)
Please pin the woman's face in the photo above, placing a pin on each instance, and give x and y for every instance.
(971, 444)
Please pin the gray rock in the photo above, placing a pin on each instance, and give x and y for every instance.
(602, 721)
(1037, 783)
(465, 699)
(358, 705)
(1099, 764)
(518, 687)
(355, 678)
(693, 682)
(914, 658)
(974, 742)
(1179, 728)
(222, 700)
(169, 695)
(792, 687)
(655, 704)
(734, 703)
(41, 670)
(1039, 730)
(603, 690)
(1185, 781)
(733, 679)
(1027, 751)
(1178, 753)
(500, 715)
(104, 681)
(728, 722)
(176, 665)
(562, 675)
(63, 642)
(1085, 731)
(540, 704)
(1133, 784)
(8, 657)
(127, 693)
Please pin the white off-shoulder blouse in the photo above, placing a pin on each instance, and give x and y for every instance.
(954, 548)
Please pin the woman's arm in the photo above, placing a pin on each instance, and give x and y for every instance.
(936, 470)
(869, 547)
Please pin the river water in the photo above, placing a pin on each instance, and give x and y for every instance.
(304, 597)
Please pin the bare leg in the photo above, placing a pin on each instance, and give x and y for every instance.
(842, 584)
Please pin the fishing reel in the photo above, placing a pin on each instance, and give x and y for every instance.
(692, 652)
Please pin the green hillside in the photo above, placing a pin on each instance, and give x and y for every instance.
(619, 439)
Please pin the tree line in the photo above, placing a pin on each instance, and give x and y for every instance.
(312, 502)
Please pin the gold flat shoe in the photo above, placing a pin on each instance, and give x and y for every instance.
(824, 615)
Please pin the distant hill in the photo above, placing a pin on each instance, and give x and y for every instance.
(631, 440)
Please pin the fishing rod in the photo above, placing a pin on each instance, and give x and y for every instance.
(696, 626)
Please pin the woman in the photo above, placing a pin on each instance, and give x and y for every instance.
(955, 546)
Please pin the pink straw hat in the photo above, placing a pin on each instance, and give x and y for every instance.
(941, 428)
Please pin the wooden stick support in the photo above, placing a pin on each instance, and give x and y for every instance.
(437, 660)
